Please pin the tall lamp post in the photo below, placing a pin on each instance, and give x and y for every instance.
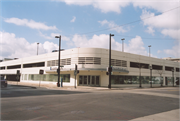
(149, 50)
(110, 68)
(58, 70)
(140, 75)
(150, 67)
(173, 76)
(37, 48)
(122, 45)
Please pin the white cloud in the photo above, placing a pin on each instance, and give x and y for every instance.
(174, 33)
(45, 36)
(29, 23)
(168, 22)
(134, 45)
(49, 46)
(52, 36)
(150, 30)
(82, 41)
(159, 5)
(116, 5)
(14, 47)
(113, 26)
(165, 20)
(105, 5)
(174, 52)
(73, 20)
(159, 51)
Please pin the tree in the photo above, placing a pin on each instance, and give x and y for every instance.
(160, 72)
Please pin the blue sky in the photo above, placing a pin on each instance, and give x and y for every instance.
(88, 23)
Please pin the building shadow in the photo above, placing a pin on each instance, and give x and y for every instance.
(24, 91)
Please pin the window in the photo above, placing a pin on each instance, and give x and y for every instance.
(2, 68)
(120, 79)
(30, 65)
(134, 65)
(167, 68)
(177, 69)
(49, 77)
(124, 63)
(63, 62)
(14, 67)
(89, 60)
(115, 62)
(97, 60)
(156, 67)
(139, 65)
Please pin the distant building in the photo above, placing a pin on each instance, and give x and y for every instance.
(172, 59)
(92, 65)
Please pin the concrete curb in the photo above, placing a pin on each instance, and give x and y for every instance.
(54, 87)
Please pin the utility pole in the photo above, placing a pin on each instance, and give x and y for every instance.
(150, 75)
(75, 73)
(110, 68)
(149, 50)
(37, 48)
(140, 75)
(122, 45)
(58, 70)
(173, 76)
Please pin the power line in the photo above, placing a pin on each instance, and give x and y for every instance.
(128, 24)
(142, 37)
(131, 22)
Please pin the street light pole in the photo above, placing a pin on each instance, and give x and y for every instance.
(149, 50)
(140, 75)
(110, 68)
(150, 75)
(173, 76)
(122, 45)
(58, 84)
(37, 48)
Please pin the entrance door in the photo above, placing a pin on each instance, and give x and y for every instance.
(88, 80)
(83, 80)
(166, 81)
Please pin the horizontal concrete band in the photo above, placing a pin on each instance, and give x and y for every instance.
(88, 69)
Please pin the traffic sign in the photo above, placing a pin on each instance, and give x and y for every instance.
(18, 78)
(41, 71)
(75, 72)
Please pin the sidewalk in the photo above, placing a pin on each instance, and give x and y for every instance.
(54, 86)
(172, 115)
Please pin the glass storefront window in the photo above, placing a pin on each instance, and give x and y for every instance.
(169, 80)
(97, 80)
(25, 76)
(85, 79)
(135, 79)
(93, 79)
(145, 79)
(120, 79)
(49, 77)
(128, 79)
(80, 79)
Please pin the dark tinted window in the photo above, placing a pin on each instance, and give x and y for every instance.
(14, 67)
(2, 68)
(167, 68)
(139, 65)
(156, 67)
(30, 65)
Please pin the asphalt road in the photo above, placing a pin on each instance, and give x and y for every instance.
(31, 103)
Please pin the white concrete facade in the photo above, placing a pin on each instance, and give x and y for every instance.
(94, 63)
